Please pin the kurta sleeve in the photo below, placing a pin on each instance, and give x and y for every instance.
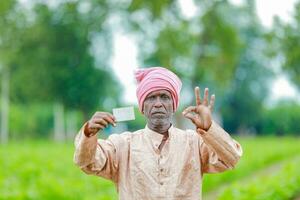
(96, 156)
(218, 151)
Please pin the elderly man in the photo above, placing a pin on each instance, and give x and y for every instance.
(159, 161)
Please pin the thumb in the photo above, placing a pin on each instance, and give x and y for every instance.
(189, 116)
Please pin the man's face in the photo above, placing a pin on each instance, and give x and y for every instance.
(158, 107)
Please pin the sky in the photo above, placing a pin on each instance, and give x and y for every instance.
(125, 61)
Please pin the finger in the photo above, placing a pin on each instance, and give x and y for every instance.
(205, 100)
(101, 121)
(189, 109)
(191, 117)
(96, 126)
(103, 114)
(110, 119)
(212, 102)
(98, 114)
(197, 95)
(105, 121)
(200, 131)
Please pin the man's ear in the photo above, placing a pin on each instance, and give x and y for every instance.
(143, 113)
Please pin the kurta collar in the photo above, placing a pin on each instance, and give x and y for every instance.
(156, 137)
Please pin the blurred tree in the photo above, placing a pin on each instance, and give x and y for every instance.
(56, 61)
(11, 20)
(4, 104)
(243, 104)
(204, 48)
(282, 119)
(288, 38)
(56, 49)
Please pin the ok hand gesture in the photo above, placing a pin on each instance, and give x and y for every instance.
(201, 114)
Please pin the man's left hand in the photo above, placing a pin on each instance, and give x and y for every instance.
(201, 114)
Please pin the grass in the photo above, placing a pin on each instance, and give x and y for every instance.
(45, 170)
(258, 153)
(282, 185)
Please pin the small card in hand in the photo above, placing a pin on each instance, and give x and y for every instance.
(124, 114)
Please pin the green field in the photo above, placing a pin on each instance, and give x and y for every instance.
(44, 170)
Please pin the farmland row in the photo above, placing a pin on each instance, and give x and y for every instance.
(284, 184)
(258, 153)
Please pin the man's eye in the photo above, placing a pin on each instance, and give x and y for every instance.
(165, 97)
(151, 98)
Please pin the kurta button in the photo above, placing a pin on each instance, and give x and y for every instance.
(161, 183)
(161, 169)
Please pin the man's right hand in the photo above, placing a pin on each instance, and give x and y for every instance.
(99, 121)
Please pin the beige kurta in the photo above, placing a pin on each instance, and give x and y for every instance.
(133, 161)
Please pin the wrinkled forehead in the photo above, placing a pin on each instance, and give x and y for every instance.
(159, 92)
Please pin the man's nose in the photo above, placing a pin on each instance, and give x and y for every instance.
(157, 102)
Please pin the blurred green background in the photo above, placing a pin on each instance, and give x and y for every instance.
(56, 70)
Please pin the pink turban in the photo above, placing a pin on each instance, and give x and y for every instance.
(157, 78)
